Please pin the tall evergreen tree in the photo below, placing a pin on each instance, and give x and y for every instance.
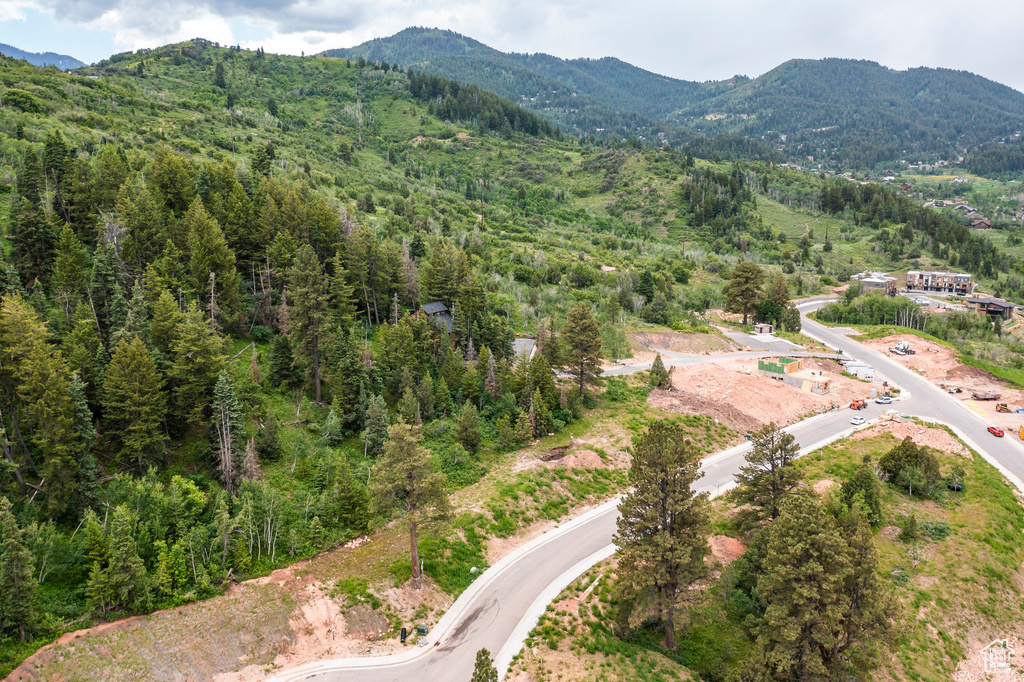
(127, 583)
(769, 476)
(209, 253)
(827, 613)
(134, 404)
(664, 527)
(467, 429)
(743, 291)
(196, 362)
(377, 421)
(406, 480)
(310, 300)
(17, 583)
(583, 346)
(30, 233)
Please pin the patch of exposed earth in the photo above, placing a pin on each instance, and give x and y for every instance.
(735, 393)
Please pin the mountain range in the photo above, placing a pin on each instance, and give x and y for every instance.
(61, 61)
(841, 112)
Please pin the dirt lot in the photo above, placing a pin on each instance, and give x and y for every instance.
(696, 343)
(735, 393)
(932, 436)
(938, 364)
(281, 620)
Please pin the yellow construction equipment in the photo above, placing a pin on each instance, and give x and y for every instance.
(1002, 407)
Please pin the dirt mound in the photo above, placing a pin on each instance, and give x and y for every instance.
(822, 487)
(363, 622)
(726, 549)
(932, 436)
(735, 393)
(697, 342)
(579, 459)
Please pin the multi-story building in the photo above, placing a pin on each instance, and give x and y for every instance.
(940, 282)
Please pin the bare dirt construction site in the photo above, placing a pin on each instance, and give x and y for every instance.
(738, 395)
(282, 620)
(939, 364)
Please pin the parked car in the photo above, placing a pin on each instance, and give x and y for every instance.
(857, 421)
(883, 400)
(995, 431)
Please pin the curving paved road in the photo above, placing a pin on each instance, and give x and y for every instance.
(501, 606)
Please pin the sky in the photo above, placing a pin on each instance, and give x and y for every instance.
(681, 38)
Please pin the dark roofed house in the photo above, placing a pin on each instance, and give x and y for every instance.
(437, 313)
(992, 306)
(982, 224)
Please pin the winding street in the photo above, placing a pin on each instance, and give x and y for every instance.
(504, 603)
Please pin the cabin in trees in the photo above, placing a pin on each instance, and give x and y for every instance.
(940, 282)
(876, 280)
(763, 328)
(437, 313)
(981, 224)
(993, 306)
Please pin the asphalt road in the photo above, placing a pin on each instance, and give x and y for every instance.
(504, 603)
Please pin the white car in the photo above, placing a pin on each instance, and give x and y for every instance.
(883, 400)
(857, 421)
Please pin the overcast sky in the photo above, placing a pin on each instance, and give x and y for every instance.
(691, 40)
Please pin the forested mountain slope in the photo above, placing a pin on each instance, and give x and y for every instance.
(212, 267)
(842, 112)
(61, 61)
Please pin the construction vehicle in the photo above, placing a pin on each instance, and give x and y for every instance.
(858, 404)
(985, 395)
(1003, 407)
(902, 348)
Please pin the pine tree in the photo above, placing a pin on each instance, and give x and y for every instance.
(405, 480)
(17, 583)
(826, 613)
(769, 475)
(69, 271)
(540, 416)
(282, 363)
(251, 470)
(442, 398)
(484, 670)
(664, 527)
(348, 373)
(227, 422)
(30, 233)
(106, 295)
(467, 429)
(659, 377)
(425, 396)
(583, 351)
(196, 362)
(377, 422)
(127, 583)
(209, 253)
(310, 300)
(35, 379)
(167, 319)
(137, 321)
(523, 429)
(408, 407)
(743, 291)
(134, 404)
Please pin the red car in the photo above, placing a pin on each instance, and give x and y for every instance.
(995, 431)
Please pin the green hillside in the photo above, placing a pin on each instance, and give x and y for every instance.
(843, 113)
(212, 266)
